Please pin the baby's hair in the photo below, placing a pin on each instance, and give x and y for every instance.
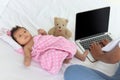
(13, 30)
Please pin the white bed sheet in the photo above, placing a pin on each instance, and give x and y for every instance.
(34, 14)
(3, 4)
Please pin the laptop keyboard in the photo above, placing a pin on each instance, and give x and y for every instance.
(86, 43)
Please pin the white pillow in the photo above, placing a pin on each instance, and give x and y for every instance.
(5, 36)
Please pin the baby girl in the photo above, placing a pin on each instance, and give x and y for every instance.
(49, 51)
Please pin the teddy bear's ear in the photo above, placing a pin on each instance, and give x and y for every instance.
(67, 20)
(55, 18)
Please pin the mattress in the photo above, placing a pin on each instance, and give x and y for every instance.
(35, 14)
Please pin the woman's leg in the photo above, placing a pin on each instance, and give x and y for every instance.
(117, 74)
(78, 72)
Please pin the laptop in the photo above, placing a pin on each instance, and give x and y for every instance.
(92, 26)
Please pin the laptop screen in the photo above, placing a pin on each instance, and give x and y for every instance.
(92, 22)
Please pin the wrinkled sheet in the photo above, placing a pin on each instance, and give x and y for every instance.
(35, 14)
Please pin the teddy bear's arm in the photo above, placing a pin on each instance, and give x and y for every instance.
(68, 33)
(51, 31)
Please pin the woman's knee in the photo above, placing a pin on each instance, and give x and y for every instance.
(76, 72)
(79, 72)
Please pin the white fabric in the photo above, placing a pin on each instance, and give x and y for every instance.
(3, 5)
(10, 41)
(5, 36)
(35, 14)
(111, 45)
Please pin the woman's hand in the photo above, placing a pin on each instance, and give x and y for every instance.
(96, 51)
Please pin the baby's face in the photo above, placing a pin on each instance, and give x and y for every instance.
(22, 36)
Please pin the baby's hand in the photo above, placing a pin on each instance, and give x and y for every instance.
(42, 32)
(27, 61)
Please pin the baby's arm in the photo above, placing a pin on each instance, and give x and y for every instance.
(42, 32)
(27, 56)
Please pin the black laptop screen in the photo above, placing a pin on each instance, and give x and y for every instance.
(92, 22)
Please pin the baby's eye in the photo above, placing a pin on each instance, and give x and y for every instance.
(57, 24)
(63, 24)
(24, 31)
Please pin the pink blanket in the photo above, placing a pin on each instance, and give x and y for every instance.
(50, 52)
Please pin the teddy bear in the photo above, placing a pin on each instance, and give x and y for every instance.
(60, 28)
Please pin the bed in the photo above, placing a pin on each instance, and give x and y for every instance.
(35, 14)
